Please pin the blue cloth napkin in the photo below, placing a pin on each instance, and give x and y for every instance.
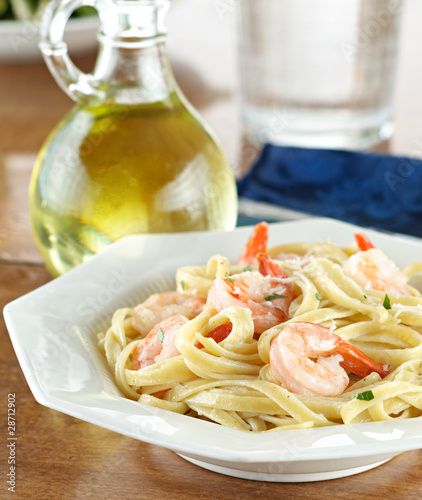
(371, 190)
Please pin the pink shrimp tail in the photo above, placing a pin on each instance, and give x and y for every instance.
(267, 267)
(359, 363)
(363, 242)
(256, 244)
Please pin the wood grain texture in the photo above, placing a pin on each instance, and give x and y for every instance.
(59, 456)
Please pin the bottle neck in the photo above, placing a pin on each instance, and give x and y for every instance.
(132, 64)
(129, 75)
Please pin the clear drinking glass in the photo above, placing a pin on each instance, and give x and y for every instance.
(318, 73)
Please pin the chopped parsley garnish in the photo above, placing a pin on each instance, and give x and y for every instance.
(247, 268)
(365, 396)
(227, 278)
(364, 296)
(182, 284)
(387, 303)
(275, 296)
(160, 335)
(318, 296)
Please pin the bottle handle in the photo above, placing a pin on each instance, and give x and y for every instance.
(53, 22)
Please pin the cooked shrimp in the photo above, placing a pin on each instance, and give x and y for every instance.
(292, 355)
(161, 306)
(256, 244)
(371, 269)
(267, 293)
(159, 344)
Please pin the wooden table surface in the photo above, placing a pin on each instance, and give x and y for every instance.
(59, 456)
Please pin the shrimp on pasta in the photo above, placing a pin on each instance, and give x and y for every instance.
(159, 344)
(372, 269)
(293, 336)
(267, 293)
(308, 358)
(161, 306)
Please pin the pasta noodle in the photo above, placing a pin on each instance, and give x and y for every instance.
(231, 380)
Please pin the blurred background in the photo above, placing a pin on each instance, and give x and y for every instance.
(202, 49)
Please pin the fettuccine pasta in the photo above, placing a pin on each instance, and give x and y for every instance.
(219, 360)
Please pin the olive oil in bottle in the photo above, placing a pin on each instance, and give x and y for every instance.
(132, 158)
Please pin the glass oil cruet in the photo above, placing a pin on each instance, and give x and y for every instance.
(132, 156)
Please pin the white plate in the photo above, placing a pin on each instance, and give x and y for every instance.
(19, 39)
(53, 330)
